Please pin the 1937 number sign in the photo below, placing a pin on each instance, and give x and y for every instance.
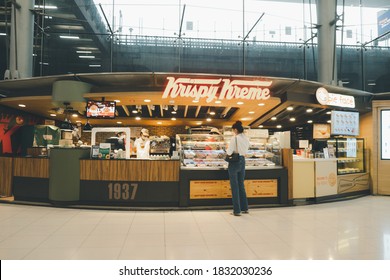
(122, 191)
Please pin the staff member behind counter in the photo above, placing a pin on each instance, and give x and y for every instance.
(142, 145)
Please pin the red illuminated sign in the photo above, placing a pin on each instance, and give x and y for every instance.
(212, 89)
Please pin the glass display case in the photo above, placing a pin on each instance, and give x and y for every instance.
(349, 153)
(201, 150)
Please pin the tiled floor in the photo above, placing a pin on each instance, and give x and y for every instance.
(353, 229)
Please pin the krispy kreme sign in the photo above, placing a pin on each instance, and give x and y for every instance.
(216, 89)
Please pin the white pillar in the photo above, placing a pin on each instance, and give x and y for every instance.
(21, 45)
(327, 63)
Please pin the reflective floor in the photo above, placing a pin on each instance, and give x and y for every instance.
(354, 229)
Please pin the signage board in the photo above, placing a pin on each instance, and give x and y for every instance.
(384, 23)
(345, 123)
(217, 89)
(334, 99)
(385, 134)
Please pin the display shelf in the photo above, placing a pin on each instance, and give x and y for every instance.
(350, 155)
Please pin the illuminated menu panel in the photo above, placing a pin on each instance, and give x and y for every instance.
(345, 123)
(385, 134)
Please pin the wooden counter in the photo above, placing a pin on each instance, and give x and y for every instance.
(130, 170)
(6, 176)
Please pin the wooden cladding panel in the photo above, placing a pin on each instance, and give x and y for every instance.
(287, 156)
(130, 170)
(6, 176)
(31, 167)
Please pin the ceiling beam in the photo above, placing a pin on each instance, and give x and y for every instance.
(197, 111)
(124, 107)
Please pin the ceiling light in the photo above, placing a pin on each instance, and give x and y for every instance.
(309, 110)
(198, 123)
(138, 118)
(159, 122)
(75, 115)
(174, 112)
(278, 126)
(3, 34)
(78, 121)
(261, 126)
(290, 108)
(309, 121)
(329, 112)
(174, 119)
(212, 113)
(261, 104)
(83, 52)
(251, 112)
(119, 122)
(329, 121)
(87, 127)
(87, 56)
(134, 111)
(208, 119)
(69, 37)
(147, 100)
(218, 101)
(274, 118)
(22, 105)
(240, 103)
(195, 101)
(292, 119)
(53, 115)
(95, 65)
(47, 7)
(117, 101)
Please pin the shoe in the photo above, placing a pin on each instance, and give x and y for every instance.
(235, 214)
(245, 212)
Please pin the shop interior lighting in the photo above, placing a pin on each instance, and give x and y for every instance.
(174, 112)
(87, 56)
(329, 121)
(83, 51)
(53, 115)
(278, 126)
(117, 100)
(95, 65)
(261, 126)
(329, 112)
(218, 102)
(251, 112)
(240, 103)
(3, 34)
(274, 118)
(290, 108)
(159, 122)
(22, 105)
(75, 115)
(119, 122)
(66, 125)
(174, 119)
(261, 104)
(208, 119)
(309, 110)
(309, 121)
(292, 119)
(147, 100)
(138, 118)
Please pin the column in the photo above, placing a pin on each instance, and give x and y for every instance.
(327, 66)
(22, 33)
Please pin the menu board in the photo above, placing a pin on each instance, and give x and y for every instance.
(100, 109)
(321, 131)
(385, 134)
(345, 123)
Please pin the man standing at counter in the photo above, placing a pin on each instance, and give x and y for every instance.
(142, 145)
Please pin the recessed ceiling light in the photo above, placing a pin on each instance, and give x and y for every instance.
(69, 37)
(159, 122)
(292, 119)
(198, 123)
(261, 104)
(274, 118)
(195, 101)
(309, 121)
(174, 119)
(329, 112)
(83, 52)
(22, 105)
(117, 101)
(147, 100)
(309, 110)
(329, 121)
(218, 101)
(78, 121)
(261, 126)
(174, 112)
(212, 113)
(87, 56)
(290, 108)
(134, 111)
(138, 118)
(53, 115)
(240, 103)
(118, 122)
(75, 115)
(251, 112)
(208, 119)
(278, 126)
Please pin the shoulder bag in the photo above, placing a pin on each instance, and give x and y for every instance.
(235, 156)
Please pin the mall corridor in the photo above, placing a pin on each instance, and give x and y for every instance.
(357, 229)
